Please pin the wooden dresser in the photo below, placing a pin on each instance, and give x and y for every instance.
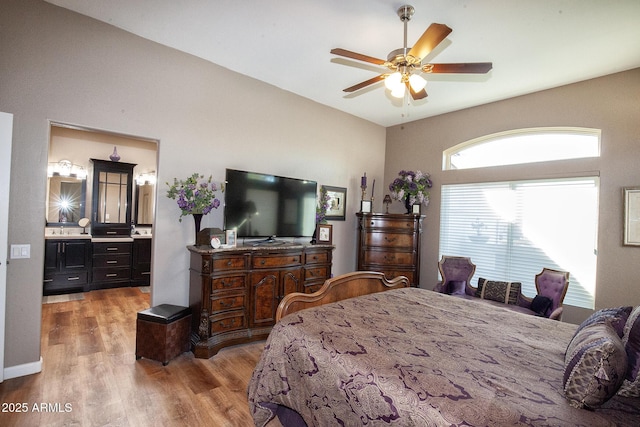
(390, 244)
(234, 293)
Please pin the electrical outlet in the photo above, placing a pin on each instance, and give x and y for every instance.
(20, 251)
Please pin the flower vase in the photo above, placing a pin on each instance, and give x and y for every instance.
(197, 219)
(408, 205)
(115, 157)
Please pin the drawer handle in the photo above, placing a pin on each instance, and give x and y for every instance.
(390, 240)
(389, 258)
(227, 304)
(373, 223)
(112, 232)
(73, 278)
(112, 249)
(146, 273)
(226, 284)
(227, 324)
(229, 263)
(112, 275)
(315, 258)
(47, 280)
(294, 259)
(262, 262)
(312, 273)
(112, 262)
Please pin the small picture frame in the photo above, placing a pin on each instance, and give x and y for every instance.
(231, 238)
(337, 203)
(631, 216)
(324, 233)
(365, 206)
(415, 209)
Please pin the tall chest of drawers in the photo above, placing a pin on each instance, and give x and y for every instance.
(234, 293)
(390, 244)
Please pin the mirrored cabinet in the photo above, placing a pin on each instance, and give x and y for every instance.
(111, 198)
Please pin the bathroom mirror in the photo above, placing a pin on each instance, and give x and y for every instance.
(144, 203)
(66, 198)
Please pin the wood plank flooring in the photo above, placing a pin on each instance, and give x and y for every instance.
(90, 376)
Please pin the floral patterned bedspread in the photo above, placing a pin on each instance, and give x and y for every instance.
(413, 357)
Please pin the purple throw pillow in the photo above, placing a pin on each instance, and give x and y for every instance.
(631, 340)
(616, 317)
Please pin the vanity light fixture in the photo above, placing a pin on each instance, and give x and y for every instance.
(146, 178)
(67, 169)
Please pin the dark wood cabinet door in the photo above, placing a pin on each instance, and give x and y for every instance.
(264, 290)
(76, 255)
(51, 250)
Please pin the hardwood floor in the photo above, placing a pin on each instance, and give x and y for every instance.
(90, 376)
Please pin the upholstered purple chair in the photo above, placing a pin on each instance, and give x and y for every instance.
(456, 272)
(553, 284)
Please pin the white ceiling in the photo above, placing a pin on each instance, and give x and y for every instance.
(533, 44)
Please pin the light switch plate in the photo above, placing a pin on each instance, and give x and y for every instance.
(20, 251)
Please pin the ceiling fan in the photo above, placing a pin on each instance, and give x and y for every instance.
(405, 65)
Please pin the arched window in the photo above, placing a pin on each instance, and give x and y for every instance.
(513, 229)
(523, 146)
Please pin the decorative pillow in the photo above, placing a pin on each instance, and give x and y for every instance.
(506, 292)
(616, 317)
(456, 287)
(595, 365)
(631, 340)
(541, 305)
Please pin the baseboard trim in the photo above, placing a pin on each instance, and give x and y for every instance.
(23, 370)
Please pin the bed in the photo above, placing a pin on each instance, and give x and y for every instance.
(414, 357)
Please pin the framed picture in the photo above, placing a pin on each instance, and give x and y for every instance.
(416, 209)
(231, 237)
(337, 203)
(632, 216)
(365, 206)
(324, 233)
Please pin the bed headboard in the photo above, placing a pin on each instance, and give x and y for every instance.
(339, 288)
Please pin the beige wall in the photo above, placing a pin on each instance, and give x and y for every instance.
(609, 103)
(61, 66)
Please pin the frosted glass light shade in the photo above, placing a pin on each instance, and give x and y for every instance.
(417, 82)
(393, 80)
(398, 92)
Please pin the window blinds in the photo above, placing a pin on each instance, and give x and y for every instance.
(512, 230)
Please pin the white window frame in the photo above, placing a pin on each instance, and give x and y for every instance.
(550, 154)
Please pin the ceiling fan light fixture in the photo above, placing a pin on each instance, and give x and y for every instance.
(417, 82)
(393, 81)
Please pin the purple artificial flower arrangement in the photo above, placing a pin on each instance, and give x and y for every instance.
(413, 186)
(194, 195)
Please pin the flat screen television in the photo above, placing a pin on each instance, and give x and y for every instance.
(266, 206)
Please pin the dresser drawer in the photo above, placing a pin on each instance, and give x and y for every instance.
(389, 258)
(111, 248)
(388, 240)
(227, 302)
(316, 257)
(111, 274)
(226, 322)
(316, 273)
(271, 261)
(66, 280)
(229, 263)
(228, 282)
(112, 260)
(389, 223)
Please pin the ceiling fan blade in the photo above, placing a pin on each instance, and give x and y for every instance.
(429, 40)
(358, 56)
(468, 68)
(365, 83)
(416, 95)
